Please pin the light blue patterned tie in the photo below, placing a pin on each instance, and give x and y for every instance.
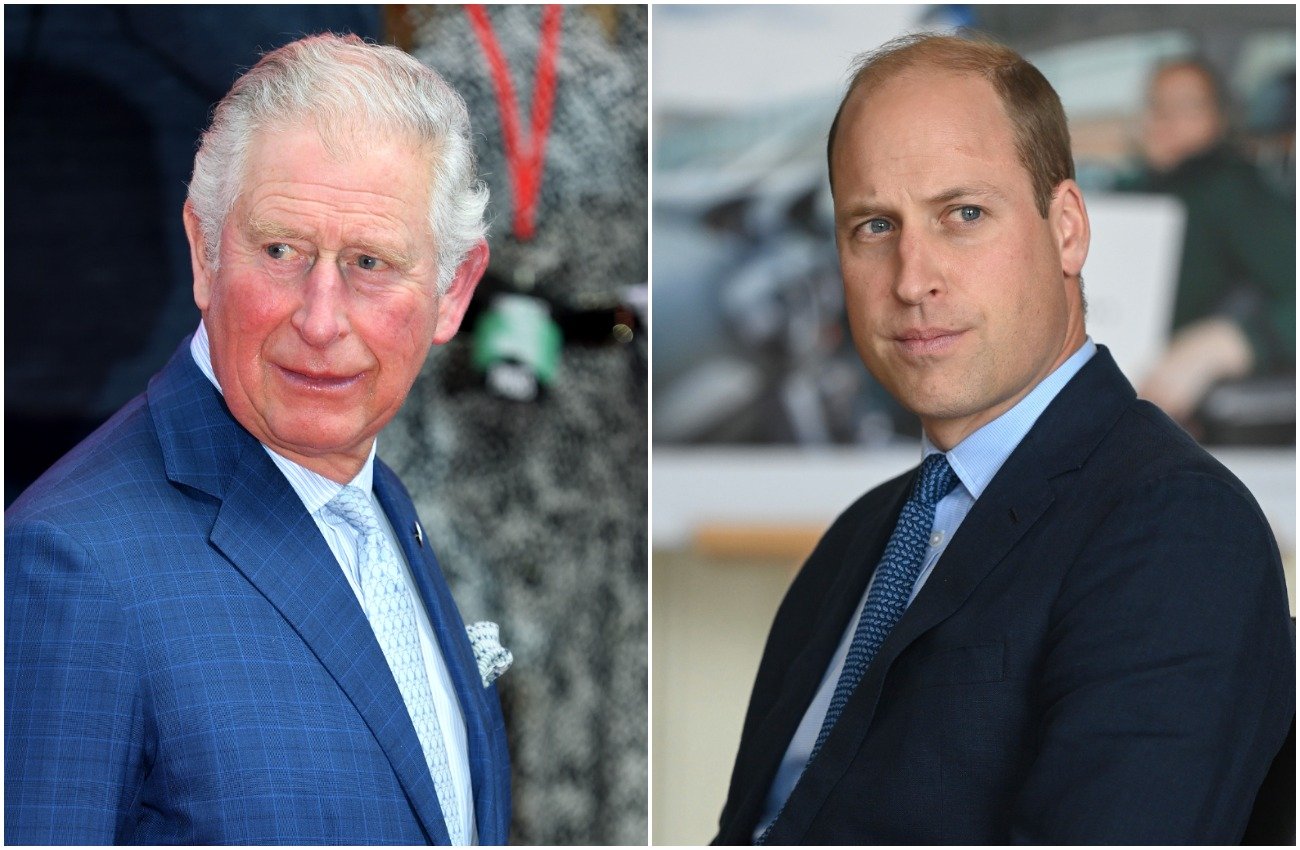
(392, 616)
(895, 575)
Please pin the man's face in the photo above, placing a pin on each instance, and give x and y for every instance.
(325, 302)
(1181, 118)
(956, 286)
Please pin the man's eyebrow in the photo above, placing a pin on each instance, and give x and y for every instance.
(873, 206)
(268, 229)
(957, 193)
(856, 209)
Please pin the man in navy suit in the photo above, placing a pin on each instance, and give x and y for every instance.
(1071, 625)
(223, 622)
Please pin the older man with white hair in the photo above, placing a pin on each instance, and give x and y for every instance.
(223, 622)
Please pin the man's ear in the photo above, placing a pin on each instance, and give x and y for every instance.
(1069, 221)
(453, 303)
(198, 258)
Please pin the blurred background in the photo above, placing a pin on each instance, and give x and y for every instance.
(524, 441)
(1183, 125)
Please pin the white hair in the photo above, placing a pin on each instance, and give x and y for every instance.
(345, 85)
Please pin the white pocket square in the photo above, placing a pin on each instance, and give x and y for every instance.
(493, 658)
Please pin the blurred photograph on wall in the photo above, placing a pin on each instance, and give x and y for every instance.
(1182, 122)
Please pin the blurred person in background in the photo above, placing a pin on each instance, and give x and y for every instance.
(1234, 307)
(536, 486)
(1069, 624)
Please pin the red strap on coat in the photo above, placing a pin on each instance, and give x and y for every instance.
(525, 159)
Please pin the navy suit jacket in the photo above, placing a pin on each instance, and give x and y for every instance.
(186, 663)
(1103, 654)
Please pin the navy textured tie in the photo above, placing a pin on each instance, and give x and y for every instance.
(895, 575)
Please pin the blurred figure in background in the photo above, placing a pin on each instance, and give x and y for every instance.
(539, 480)
(1234, 309)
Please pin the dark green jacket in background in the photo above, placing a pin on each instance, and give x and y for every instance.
(1238, 258)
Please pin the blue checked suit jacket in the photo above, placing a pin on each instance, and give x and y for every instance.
(186, 663)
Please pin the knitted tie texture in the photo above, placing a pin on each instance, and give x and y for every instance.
(895, 575)
(392, 616)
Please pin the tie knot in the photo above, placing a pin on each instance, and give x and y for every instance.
(936, 479)
(352, 505)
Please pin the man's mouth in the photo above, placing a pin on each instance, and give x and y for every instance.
(312, 381)
(927, 341)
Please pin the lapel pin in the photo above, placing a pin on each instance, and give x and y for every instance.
(419, 534)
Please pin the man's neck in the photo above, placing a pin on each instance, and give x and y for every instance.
(947, 433)
(1014, 420)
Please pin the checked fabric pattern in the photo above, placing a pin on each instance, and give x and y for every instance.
(896, 574)
(392, 616)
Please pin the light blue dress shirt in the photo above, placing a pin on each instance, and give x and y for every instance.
(316, 491)
(976, 460)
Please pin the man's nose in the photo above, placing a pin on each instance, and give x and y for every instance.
(920, 272)
(322, 316)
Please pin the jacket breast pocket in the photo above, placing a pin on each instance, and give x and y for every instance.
(958, 665)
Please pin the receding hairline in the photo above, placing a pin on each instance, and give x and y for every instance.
(342, 144)
(976, 55)
(913, 71)
(1030, 104)
(349, 138)
(344, 80)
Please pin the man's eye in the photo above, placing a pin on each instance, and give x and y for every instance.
(970, 213)
(369, 263)
(879, 225)
(278, 251)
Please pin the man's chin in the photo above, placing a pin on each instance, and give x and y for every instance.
(937, 398)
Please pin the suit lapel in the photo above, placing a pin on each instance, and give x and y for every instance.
(1007, 509)
(854, 569)
(263, 529)
(453, 642)
(1067, 432)
(986, 535)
